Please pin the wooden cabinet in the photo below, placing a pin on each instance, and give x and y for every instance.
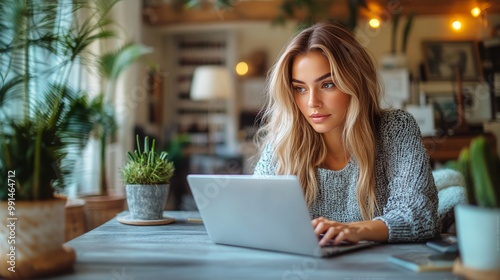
(444, 148)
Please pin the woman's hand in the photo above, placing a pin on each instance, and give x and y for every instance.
(350, 232)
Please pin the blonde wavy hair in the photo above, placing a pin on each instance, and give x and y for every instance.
(297, 148)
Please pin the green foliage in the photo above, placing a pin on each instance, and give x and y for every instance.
(146, 166)
(111, 65)
(481, 169)
(318, 11)
(175, 147)
(451, 164)
(310, 11)
(44, 124)
(406, 30)
(394, 33)
(218, 4)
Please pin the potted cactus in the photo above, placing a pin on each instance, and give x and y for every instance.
(146, 176)
(478, 221)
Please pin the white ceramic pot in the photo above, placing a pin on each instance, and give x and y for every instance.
(478, 232)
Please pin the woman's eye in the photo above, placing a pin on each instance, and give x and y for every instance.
(328, 85)
(299, 89)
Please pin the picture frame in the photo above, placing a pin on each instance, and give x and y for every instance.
(442, 59)
(445, 110)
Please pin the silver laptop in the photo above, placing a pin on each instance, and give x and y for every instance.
(261, 212)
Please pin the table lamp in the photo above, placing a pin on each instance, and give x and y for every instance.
(210, 83)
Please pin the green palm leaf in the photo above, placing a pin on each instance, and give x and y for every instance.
(111, 65)
(43, 146)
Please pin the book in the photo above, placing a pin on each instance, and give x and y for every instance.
(447, 245)
(424, 261)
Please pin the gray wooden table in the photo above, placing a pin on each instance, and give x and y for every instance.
(183, 250)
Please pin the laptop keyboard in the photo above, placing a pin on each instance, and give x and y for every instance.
(330, 243)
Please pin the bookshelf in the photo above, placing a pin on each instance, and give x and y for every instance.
(193, 117)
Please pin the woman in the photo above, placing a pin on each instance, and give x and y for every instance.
(364, 171)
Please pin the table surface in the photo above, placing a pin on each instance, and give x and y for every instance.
(183, 250)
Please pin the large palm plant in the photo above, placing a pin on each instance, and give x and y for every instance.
(111, 65)
(44, 123)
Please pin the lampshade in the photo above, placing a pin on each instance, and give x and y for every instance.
(210, 82)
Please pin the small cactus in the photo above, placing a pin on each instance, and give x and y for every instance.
(481, 170)
(146, 166)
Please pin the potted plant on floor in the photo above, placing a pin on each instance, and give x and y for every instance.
(478, 222)
(105, 204)
(146, 176)
(44, 124)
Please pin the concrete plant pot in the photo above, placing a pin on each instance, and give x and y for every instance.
(146, 202)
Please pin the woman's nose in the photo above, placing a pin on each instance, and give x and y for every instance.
(313, 102)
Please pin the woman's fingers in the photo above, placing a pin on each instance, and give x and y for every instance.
(342, 236)
(332, 231)
(317, 220)
(329, 235)
(323, 226)
(348, 234)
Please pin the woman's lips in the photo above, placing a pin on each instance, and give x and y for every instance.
(318, 118)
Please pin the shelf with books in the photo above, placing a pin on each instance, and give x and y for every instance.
(193, 117)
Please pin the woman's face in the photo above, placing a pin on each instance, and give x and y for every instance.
(320, 101)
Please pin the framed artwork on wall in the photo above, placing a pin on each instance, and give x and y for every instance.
(443, 60)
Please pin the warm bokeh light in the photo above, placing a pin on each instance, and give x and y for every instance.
(475, 12)
(374, 23)
(242, 68)
(457, 25)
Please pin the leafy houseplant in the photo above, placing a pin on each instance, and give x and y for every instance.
(147, 175)
(481, 169)
(405, 35)
(308, 12)
(41, 139)
(398, 59)
(317, 11)
(111, 65)
(105, 205)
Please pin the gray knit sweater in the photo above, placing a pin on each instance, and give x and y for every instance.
(406, 193)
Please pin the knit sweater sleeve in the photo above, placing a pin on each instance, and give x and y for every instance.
(410, 211)
(266, 164)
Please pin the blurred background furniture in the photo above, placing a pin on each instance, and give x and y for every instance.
(448, 147)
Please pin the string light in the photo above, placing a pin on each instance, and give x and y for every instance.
(242, 68)
(374, 23)
(457, 25)
(475, 12)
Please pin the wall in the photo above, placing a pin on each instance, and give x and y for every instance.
(424, 27)
(261, 35)
(249, 35)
